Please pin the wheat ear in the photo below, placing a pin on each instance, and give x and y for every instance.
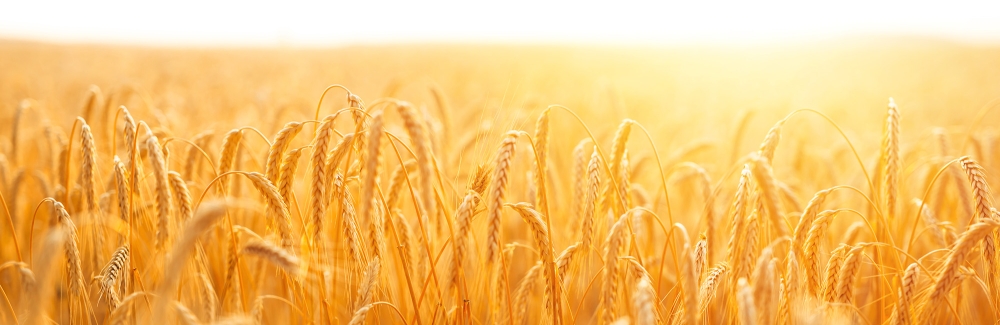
(809, 215)
(810, 253)
(71, 248)
(121, 186)
(324, 182)
(181, 195)
(580, 178)
(192, 161)
(276, 207)
(112, 272)
(614, 166)
(496, 191)
(890, 160)
(832, 268)
(204, 219)
(949, 277)
(87, 169)
(789, 291)
(318, 163)
(744, 300)
(286, 177)
(463, 220)
(541, 164)
(162, 189)
(643, 301)
(590, 199)
(613, 244)
(737, 217)
(539, 232)
(707, 291)
(277, 150)
(689, 285)
(370, 173)
(907, 293)
(931, 222)
(230, 145)
(274, 254)
(423, 151)
(764, 176)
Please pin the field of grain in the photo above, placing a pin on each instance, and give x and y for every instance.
(835, 182)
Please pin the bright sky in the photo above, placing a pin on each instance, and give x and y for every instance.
(194, 22)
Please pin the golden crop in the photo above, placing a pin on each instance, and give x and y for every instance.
(448, 184)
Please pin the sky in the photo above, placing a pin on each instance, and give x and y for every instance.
(313, 23)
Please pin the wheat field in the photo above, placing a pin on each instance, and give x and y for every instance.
(844, 182)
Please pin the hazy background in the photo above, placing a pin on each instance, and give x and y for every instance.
(314, 23)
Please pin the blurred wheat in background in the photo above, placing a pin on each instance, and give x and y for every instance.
(826, 183)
